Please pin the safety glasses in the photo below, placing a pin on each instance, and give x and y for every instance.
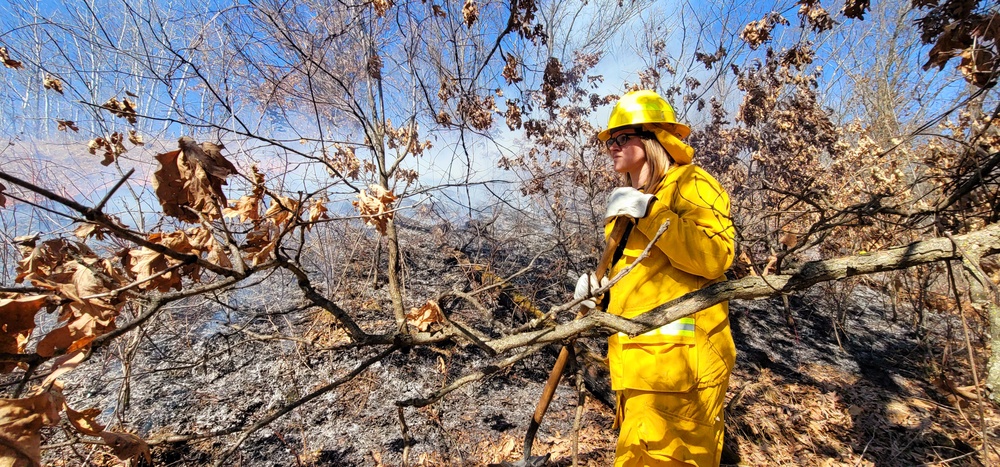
(623, 138)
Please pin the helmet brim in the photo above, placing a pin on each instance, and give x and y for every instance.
(679, 130)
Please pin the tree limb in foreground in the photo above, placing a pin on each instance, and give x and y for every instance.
(986, 241)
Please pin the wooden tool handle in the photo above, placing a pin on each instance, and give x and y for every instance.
(617, 232)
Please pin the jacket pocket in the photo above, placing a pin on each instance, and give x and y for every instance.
(663, 367)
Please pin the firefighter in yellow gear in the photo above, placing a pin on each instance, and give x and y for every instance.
(670, 382)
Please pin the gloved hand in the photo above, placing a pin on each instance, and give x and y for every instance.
(627, 201)
(585, 287)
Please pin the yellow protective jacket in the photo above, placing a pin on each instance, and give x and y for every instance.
(695, 250)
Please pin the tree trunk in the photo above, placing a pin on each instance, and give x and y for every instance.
(395, 284)
(993, 366)
(984, 295)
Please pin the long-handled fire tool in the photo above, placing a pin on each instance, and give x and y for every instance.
(622, 226)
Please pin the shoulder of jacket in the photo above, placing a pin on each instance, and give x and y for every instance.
(678, 174)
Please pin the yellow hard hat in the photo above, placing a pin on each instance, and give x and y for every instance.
(648, 109)
(644, 107)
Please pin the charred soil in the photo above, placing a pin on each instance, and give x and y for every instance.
(826, 378)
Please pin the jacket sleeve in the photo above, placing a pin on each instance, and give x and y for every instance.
(699, 239)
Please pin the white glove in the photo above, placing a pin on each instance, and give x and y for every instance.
(627, 201)
(585, 287)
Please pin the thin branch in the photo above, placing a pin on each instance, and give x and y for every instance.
(107, 196)
(98, 217)
(25, 290)
(133, 284)
(298, 403)
(400, 411)
(469, 378)
(321, 301)
(154, 306)
(605, 288)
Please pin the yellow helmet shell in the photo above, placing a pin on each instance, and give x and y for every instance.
(644, 108)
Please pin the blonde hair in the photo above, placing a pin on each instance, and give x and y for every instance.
(659, 161)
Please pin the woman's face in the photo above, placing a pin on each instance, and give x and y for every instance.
(630, 156)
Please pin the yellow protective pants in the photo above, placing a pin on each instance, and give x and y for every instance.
(670, 428)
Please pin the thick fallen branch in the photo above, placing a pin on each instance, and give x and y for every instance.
(986, 240)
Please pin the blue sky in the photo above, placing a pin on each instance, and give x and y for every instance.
(92, 73)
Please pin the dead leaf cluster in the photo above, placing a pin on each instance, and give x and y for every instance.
(758, 32)
(111, 147)
(470, 12)
(81, 283)
(154, 270)
(53, 83)
(376, 208)
(70, 125)
(248, 206)
(7, 61)
(22, 420)
(405, 138)
(125, 108)
(382, 7)
(966, 30)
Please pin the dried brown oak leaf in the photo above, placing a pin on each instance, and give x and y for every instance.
(7, 61)
(381, 7)
(3, 199)
(512, 70)
(202, 241)
(376, 208)
(758, 32)
(248, 207)
(67, 125)
(60, 366)
(259, 244)
(135, 138)
(17, 320)
(90, 310)
(21, 421)
(282, 210)
(856, 8)
(318, 210)
(709, 60)
(788, 239)
(189, 180)
(426, 316)
(815, 15)
(38, 262)
(127, 446)
(111, 146)
(150, 267)
(52, 83)
(979, 66)
(470, 12)
(343, 163)
(87, 229)
(123, 109)
(85, 421)
(744, 262)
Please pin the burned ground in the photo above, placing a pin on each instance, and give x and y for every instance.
(807, 389)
